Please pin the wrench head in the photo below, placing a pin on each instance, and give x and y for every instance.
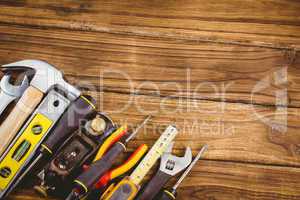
(46, 76)
(13, 90)
(171, 164)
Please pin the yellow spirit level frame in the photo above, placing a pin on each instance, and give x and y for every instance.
(29, 138)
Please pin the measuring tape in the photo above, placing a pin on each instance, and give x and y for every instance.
(129, 186)
(154, 154)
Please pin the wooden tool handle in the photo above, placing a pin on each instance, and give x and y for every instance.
(154, 186)
(12, 124)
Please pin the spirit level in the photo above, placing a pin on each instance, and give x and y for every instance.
(23, 147)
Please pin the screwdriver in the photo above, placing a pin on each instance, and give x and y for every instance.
(128, 187)
(171, 194)
(87, 180)
(80, 109)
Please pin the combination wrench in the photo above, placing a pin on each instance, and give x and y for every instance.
(10, 92)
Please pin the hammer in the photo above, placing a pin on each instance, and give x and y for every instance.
(46, 76)
(25, 142)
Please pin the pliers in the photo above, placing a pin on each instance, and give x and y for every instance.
(124, 168)
(86, 181)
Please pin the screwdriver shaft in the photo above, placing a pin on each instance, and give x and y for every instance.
(137, 129)
(186, 172)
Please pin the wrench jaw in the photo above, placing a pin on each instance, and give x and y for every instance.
(13, 90)
(46, 76)
(171, 164)
(10, 92)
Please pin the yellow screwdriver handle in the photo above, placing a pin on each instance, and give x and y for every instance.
(108, 191)
(124, 190)
(128, 188)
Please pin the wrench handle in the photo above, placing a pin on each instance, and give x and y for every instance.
(23, 109)
(154, 186)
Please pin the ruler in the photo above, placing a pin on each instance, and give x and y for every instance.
(153, 155)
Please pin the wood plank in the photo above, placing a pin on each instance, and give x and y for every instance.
(226, 47)
(234, 132)
(293, 69)
(230, 181)
(179, 68)
(271, 23)
(233, 181)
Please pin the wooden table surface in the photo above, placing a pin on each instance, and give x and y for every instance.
(226, 72)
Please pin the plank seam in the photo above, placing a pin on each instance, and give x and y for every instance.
(90, 28)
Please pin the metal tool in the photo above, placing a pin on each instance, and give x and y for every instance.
(45, 78)
(73, 153)
(124, 168)
(171, 194)
(128, 188)
(10, 92)
(81, 109)
(117, 172)
(22, 149)
(108, 143)
(170, 165)
(87, 180)
(25, 142)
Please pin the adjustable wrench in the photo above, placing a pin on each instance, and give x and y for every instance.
(128, 188)
(170, 194)
(170, 165)
(10, 92)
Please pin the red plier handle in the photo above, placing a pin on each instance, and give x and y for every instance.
(129, 164)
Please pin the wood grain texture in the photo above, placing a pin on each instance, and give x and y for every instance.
(234, 132)
(272, 23)
(179, 68)
(247, 182)
(240, 57)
